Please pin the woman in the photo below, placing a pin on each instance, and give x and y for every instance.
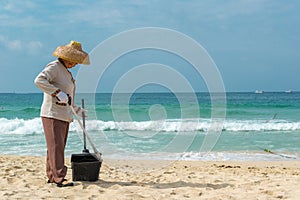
(58, 85)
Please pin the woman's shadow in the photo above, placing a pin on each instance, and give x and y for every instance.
(177, 184)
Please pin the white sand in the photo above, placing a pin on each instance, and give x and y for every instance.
(24, 178)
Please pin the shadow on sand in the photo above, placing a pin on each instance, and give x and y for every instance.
(177, 184)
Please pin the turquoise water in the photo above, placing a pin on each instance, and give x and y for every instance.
(163, 126)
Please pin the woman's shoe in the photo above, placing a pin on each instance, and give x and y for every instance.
(65, 183)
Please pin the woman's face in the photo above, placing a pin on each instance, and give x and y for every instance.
(69, 64)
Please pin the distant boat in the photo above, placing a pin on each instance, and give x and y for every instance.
(288, 91)
(259, 91)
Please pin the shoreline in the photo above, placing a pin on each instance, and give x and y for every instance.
(225, 156)
(24, 177)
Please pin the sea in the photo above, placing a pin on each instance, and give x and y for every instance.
(163, 126)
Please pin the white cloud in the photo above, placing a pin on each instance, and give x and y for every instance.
(8, 7)
(14, 45)
(241, 8)
(10, 44)
(27, 13)
(20, 13)
(18, 6)
(18, 45)
(34, 47)
(215, 10)
(96, 14)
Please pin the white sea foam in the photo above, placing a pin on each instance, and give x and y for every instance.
(20, 126)
(34, 126)
(205, 156)
(190, 125)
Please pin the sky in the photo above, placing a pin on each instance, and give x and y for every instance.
(255, 44)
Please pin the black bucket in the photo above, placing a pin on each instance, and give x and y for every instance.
(85, 167)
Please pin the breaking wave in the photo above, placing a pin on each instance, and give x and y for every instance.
(34, 126)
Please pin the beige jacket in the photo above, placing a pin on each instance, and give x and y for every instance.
(54, 78)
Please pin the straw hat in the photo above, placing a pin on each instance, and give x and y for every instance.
(72, 52)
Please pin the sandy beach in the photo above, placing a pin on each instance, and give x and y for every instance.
(23, 177)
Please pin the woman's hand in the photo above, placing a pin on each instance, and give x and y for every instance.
(80, 112)
(63, 98)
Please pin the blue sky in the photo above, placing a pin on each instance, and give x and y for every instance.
(254, 43)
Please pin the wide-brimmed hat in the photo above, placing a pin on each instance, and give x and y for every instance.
(72, 52)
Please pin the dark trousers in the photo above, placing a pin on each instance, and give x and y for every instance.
(56, 133)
